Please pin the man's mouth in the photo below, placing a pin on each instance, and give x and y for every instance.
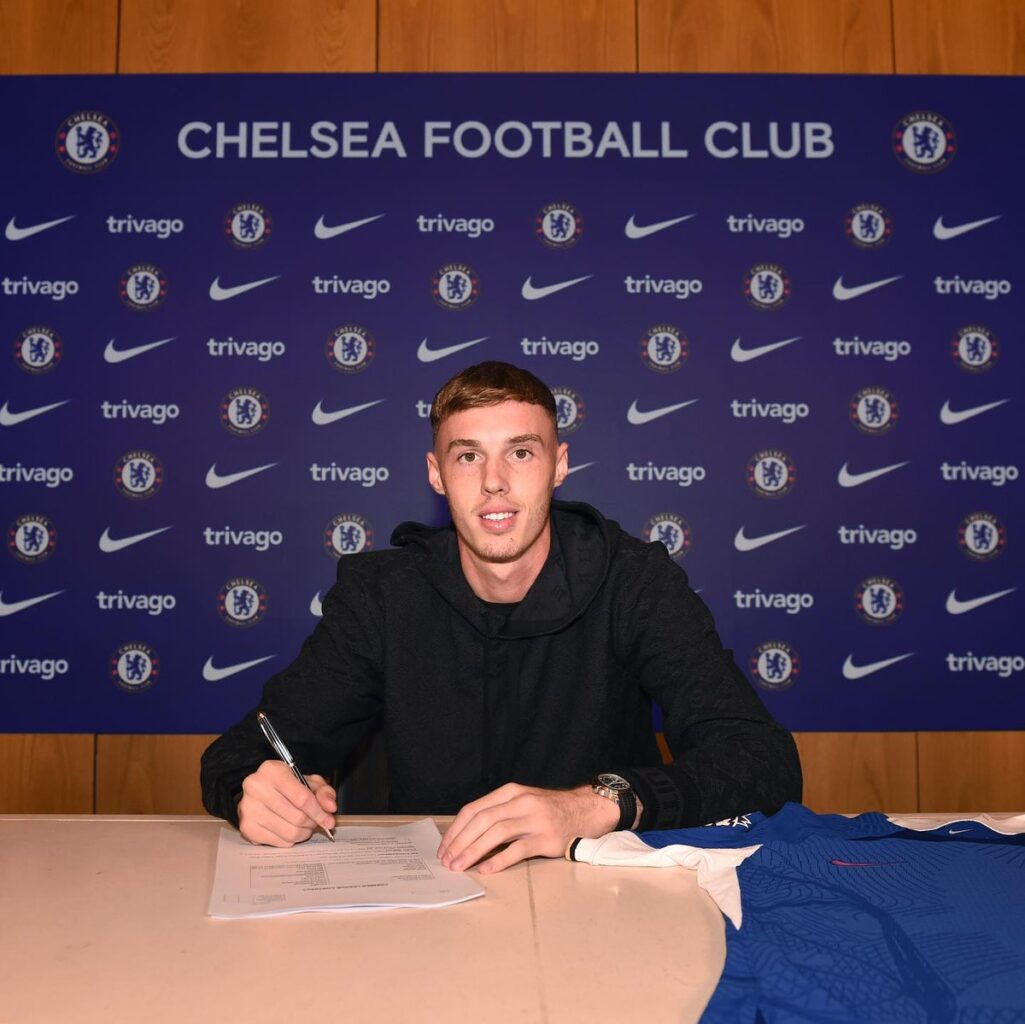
(497, 517)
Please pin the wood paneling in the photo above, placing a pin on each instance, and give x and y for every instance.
(765, 36)
(972, 771)
(956, 37)
(849, 772)
(247, 35)
(507, 35)
(46, 774)
(58, 37)
(149, 774)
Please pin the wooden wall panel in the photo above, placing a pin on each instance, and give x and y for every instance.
(972, 771)
(767, 36)
(849, 772)
(955, 37)
(507, 35)
(58, 37)
(46, 774)
(149, 774)
(247, 35)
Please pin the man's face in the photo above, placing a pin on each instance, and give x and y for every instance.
(497, 466)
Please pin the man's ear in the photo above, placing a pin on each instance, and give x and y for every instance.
(561, 463)
(434, 474)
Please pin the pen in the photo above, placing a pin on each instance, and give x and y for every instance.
(283, 752)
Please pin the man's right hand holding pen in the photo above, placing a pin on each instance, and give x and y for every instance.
(278, 810)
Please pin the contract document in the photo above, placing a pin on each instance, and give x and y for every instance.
(366, 867)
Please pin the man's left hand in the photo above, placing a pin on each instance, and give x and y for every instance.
(534, 822)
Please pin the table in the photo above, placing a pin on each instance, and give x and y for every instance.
(103, 919)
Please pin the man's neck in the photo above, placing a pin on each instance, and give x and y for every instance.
(505, 582)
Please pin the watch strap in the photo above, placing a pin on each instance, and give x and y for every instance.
(627, 810)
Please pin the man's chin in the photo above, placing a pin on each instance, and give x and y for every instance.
(498, 553)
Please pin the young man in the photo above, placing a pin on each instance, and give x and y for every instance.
(514, 656)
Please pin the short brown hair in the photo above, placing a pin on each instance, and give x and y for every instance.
(489, 384)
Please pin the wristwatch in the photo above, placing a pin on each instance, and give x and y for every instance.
(620, 792)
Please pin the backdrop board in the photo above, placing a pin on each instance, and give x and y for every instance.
(780, 316)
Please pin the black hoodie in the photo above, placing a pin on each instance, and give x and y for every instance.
(473, 697)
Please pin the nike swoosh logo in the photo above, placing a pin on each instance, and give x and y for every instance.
(12, 419)
(744, 355)
(742, 543)
(15, 234)
(316, 608)
(635, 231)
(213, 675)
(636, 417)
(845, 478)
(322, 419)
(19, 606)
(109, 545)
(860, 863)
(321, 230)
(219, 293)
(950, 417)
(958, 607)
(842, 292)
(852, 671)
(943, 233)
(216, 480)
(426, 354)
(530, 291)
(957, 831)
(577, 468)
(119, 355)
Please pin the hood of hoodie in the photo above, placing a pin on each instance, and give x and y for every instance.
(582, 548)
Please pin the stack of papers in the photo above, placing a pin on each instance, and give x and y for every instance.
(366, 867)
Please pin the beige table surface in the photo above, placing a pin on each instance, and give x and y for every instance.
(103, 919)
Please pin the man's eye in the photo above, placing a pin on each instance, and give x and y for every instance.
(468, 457)
(521, 454)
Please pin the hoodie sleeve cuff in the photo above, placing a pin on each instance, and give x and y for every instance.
(670, 799)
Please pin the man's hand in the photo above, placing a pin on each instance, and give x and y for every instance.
(276, 809)
(534, 822)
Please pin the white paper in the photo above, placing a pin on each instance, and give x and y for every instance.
(373, 866)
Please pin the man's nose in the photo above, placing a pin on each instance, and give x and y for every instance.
(494, 479)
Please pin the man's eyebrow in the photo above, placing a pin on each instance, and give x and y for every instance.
(469, 442)
(462, 442)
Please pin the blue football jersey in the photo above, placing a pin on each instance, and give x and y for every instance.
(835, 919)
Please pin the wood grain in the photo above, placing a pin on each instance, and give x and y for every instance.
(247, 35)
(972, 771)
(804, 36)
(954, 37)
(850, 772)
(58, 37)
(49, 773)
(507, 35)
(149, 774)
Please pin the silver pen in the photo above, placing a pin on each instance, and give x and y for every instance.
(283, 752)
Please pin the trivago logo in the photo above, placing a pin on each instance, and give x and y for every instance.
(791, 603)
(995, 476)
(228, 536)
(366, 476)
(1002, 665)
(49, 476)
(45, 668)
(55, 290)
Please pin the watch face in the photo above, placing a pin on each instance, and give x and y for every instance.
(613, 782)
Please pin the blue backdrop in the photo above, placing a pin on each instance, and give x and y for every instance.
(780, 315)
